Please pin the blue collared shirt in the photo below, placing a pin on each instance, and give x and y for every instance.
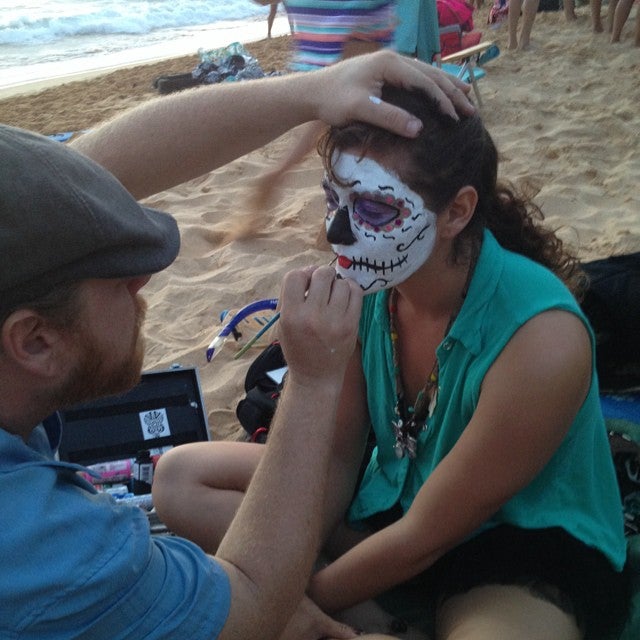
(76, 564)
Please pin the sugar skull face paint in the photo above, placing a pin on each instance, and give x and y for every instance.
(378, 227)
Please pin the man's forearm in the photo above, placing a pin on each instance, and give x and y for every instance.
(273, 541)
(169, 140)
(175, 138)
(279, 520)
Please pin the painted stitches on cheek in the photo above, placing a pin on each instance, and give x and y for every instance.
(375, 268)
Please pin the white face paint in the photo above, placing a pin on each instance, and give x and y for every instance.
(378, 227)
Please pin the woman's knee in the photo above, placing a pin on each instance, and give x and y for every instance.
(188, 469)
(503, 612)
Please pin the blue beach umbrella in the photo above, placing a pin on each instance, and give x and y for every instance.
(417, 32)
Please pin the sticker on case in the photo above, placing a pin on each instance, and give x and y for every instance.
(155, 424)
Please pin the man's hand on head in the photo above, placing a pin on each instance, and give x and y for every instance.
(353, 88)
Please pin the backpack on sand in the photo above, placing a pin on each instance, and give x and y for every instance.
(612, 304)
(255, 411)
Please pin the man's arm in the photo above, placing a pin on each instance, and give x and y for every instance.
(171, 139)
(270, 547)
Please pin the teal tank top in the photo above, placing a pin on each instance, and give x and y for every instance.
(577, 489)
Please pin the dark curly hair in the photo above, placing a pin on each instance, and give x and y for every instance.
(446, 156)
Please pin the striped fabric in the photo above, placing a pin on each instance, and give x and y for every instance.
(322, 27)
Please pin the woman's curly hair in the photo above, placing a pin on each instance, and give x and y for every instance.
(446, 156)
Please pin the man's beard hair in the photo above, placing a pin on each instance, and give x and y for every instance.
(91, 379)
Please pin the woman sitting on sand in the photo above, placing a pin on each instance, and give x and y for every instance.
(491, 487)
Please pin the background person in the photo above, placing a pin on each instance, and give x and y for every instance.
(618, 12)
(323, 34)
(528, 9)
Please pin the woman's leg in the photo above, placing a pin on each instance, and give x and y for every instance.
(529, 12)
(596, 18)
(619, 12)
(612, 5)
(268, 183)
(529, 9)
(197, 488)
(273, 10)
(515, 7)
(503, 612)
(569, 7)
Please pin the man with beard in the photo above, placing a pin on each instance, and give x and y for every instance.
(75, 250)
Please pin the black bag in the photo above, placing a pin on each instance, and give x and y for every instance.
(626, 460)
(255, 411)
(612, 304)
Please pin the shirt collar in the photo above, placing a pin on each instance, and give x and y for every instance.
(15, 453)
(486, 275)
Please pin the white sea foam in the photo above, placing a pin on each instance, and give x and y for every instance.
(34, 22)
(49, 38)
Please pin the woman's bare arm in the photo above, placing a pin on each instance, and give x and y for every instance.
(529, 399)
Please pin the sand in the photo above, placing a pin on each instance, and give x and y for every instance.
(53, 107)
(565, 118)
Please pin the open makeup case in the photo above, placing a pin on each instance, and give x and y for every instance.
(164, 410)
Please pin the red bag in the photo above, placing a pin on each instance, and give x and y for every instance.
(455, 12)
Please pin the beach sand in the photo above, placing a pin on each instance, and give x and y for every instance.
(564, 116)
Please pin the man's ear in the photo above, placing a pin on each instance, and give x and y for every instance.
(32, 343)
(458, 213)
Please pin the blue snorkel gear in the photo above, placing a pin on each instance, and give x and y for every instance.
(230, 327)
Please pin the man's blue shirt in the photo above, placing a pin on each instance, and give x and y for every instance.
(76, 564)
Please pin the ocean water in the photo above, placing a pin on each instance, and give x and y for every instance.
(49, 38)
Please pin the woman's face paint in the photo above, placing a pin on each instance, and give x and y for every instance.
(379, 228)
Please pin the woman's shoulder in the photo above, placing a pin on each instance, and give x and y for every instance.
(510, 289)
(531, 279)
(504, 273)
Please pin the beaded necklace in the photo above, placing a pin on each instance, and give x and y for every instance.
(409, 421)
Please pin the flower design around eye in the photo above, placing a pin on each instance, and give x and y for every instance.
(378, 211)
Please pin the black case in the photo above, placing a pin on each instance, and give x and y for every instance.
(165, 409)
